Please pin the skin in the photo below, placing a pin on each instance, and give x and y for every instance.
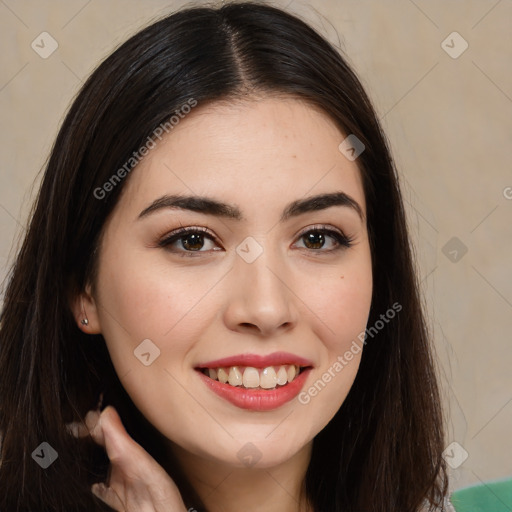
(308, 300)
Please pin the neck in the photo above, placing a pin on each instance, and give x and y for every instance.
(224, 488)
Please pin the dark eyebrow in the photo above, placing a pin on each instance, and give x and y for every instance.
(208, 206)
(321, 202)
(196, 204)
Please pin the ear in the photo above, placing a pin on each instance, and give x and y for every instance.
(84, 308)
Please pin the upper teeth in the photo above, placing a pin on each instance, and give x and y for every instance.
(249, 377)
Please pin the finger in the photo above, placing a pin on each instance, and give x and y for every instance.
(93, 423)
(77, 429)
(134, 462)
(83, 428)
(108, 496)
(121, 448)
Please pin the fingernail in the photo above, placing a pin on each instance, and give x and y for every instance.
(98, 489)
(91, 419)
(74, 428)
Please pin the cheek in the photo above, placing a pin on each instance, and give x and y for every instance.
(340, 305)
(344, 309)
(341, 301)
(169, 305)
(142, 301)
(340, 326)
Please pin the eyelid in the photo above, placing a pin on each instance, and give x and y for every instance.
(343, 241)
(175, 235)
(166, 239)
(320, 227)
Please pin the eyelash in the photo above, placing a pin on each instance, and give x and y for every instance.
(343, 241)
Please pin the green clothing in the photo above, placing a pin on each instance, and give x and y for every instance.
(486, 497)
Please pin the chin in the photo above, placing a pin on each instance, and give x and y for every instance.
(254, 451)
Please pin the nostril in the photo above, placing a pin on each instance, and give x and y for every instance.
(248, 325)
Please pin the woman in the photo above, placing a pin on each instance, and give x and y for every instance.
(167, 338)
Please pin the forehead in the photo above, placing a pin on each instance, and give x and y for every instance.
(264, 151)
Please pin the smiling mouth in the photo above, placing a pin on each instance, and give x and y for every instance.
(249, 377)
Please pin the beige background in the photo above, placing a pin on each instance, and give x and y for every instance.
(449, 121)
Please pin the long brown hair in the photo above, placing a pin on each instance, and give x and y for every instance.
(383, 449)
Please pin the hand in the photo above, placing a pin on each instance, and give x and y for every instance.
(137, 482)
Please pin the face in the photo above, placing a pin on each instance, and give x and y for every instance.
(252, 283)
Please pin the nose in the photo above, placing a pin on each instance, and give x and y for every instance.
(260, 299)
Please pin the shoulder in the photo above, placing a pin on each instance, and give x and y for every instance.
(447, 506)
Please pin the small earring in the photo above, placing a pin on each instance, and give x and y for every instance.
(84, 320)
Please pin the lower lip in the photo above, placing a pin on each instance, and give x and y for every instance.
(257, 399)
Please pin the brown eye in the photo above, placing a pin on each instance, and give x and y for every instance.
(314, 240)
(188, 240)
(192, 242)
(318, 238)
